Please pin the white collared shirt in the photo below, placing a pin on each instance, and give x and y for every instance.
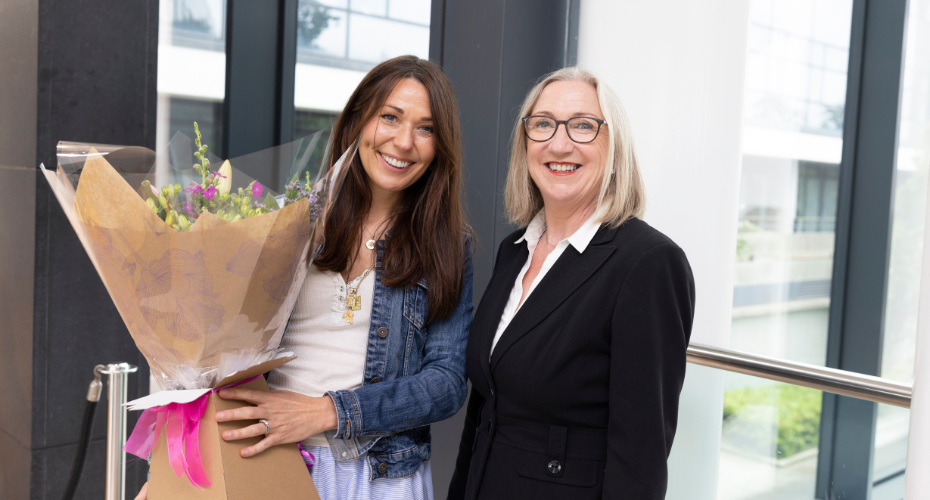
(580, 240)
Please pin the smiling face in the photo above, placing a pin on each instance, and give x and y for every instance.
(568, 174)
(397, 144)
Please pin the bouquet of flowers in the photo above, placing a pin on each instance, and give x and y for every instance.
(204, 265)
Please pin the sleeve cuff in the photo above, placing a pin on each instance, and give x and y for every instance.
(348, 414)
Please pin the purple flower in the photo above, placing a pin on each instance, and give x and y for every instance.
(195, 189)
(209, 193)
(218, 174)
(256, 189)
(188, 207)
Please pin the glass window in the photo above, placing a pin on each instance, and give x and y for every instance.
(907, 234)
(339, 41)
(792, 129)
(374, 7)
(414, 11)
(321, 31)
(907, 237)
(191, 70)
(363, 47)
(792, 145)
(770, 438)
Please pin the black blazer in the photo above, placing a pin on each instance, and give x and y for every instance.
(580, 397)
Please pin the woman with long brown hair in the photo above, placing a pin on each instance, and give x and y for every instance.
(382, 319)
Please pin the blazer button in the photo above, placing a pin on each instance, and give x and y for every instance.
(375, 380)
(382, 331)
(382, 468)
(554, 467)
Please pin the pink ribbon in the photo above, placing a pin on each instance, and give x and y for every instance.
(182, 424)
(308, 457)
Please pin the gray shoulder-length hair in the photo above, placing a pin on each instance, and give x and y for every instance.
(622, 194)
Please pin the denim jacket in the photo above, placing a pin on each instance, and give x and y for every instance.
(414, 375)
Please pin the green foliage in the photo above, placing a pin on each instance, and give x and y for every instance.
(798, 413)
(743, 247)
(312, 19)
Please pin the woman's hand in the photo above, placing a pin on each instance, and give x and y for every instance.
(291, 417)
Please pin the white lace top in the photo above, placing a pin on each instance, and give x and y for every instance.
(330, 352)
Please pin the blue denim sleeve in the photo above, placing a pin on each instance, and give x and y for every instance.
(435, 393)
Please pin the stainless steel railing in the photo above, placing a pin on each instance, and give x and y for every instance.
(116, 427)
(850, 384)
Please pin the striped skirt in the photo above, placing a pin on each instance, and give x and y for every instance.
(349, 480)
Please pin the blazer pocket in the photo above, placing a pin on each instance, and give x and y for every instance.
(572, 471)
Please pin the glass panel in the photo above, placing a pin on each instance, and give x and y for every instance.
(770, 438)
(415, 11)
(197, 22)
(910, 198)
(907, 237)
(310, 122)
(792, 146)
(339, 41)
(792, 142)
(321, 30)
(374, 7)
(368, 43)
(191, 70)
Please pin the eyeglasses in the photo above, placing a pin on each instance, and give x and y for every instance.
(580, 129)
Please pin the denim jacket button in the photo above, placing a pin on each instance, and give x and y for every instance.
(375, 380)
(382, 468)
(382, 332)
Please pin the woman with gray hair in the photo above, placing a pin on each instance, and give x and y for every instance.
(577, 350)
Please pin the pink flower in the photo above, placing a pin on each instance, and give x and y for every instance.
(219, 174)
(194, 189)
(256, 189)
(209, 193)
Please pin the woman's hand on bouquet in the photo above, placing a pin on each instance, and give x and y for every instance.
(291, 417)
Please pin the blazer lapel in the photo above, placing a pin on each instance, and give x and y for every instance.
(569, 272)
(495, 300)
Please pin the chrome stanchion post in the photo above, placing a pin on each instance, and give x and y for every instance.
(118, 374)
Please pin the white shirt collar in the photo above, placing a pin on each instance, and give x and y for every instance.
(580, 239)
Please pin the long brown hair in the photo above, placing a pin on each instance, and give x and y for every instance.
(425, 239)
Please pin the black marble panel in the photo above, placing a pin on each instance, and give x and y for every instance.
(96, 83)
(472, 56)
(51, 469)
(81, 329)
(493, 57)
(97, 73)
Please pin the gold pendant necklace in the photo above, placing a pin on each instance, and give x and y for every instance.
(353, 299)
(370, 244)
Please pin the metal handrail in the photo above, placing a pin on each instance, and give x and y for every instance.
(851, 384)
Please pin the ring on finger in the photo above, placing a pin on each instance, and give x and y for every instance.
(267, 427)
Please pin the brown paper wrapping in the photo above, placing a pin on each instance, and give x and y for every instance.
(199, 304)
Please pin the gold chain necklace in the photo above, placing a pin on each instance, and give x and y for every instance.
(370, 244)
(353, 299)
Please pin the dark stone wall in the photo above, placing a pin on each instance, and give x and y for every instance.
(493, 54)
(97, 63)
